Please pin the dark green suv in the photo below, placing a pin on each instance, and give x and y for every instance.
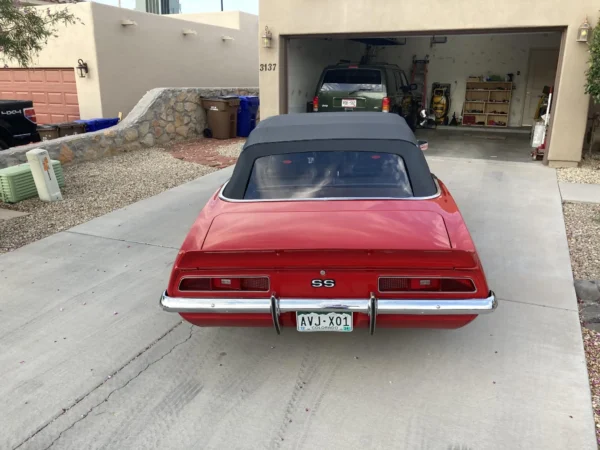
(366, 87)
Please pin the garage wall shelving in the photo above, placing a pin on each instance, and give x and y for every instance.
(487, 104)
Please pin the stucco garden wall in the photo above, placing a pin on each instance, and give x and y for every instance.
(163, 115)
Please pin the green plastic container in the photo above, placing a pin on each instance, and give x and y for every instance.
(16, 182)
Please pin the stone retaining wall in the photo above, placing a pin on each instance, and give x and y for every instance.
(163, 115)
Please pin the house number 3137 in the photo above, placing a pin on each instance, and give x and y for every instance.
(267, 67)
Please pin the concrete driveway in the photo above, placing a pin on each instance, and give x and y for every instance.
(88, 360)
(481, 143)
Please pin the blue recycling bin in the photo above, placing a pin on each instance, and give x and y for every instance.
(98, 124)
(247, 111)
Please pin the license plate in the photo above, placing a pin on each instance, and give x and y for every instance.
(348, 103)
(320, 321)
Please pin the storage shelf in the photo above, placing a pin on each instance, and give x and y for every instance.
(483, 93)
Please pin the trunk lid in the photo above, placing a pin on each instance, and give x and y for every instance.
(333, 254)
(334, 230)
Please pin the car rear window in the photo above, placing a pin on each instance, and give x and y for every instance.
(328, 174)
(352, 80)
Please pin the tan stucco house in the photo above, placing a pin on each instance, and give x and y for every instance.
(127, 53)
(536, 42)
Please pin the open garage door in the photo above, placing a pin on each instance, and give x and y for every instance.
(53, 92)
(490, 81)
(525, 60)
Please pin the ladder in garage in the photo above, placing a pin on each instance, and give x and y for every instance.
(419, 77)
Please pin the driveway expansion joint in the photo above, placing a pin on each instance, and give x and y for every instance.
(116, 372)
(538, 305)
(120, 240)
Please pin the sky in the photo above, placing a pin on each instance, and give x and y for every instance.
(195, 6)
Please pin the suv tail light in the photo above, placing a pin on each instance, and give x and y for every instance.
(316, 104)
(403, 284)
(224, 284)
(385, 105)
(29, 113)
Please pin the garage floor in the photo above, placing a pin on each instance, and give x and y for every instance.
(458, 143)
(88, 359)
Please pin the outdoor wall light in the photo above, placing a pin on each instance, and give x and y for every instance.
(82, 68)
(227, 38)
(128, 23)
(187, 32)
(583, 32)
(267, 37)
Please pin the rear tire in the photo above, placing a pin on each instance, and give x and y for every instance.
(413, 120)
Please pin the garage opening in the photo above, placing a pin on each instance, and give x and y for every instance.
(486, 94)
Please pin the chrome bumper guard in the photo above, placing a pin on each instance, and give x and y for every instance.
(373, 306)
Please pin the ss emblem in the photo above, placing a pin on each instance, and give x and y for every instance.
(322, 283)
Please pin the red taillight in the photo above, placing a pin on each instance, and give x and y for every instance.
(393, 284)
(255, 284)
(30, 114)
(405, 284)
(195, 284)
(316, 104)
(457, 285)
(425, 284)
(224, 284)
(385, 105)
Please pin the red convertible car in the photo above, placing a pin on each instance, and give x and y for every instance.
(330, 222)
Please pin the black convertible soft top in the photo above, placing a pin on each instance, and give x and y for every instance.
(294, 133)
(311, 127)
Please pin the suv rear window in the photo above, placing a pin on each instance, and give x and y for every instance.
(352, 80)
(328, 174)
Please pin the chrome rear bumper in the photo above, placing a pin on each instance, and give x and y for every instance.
(372, 306)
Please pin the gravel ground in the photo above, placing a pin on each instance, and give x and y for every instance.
(588, 172)
(582, 222)
(232, 150)
(96, 188)
(591, 344)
